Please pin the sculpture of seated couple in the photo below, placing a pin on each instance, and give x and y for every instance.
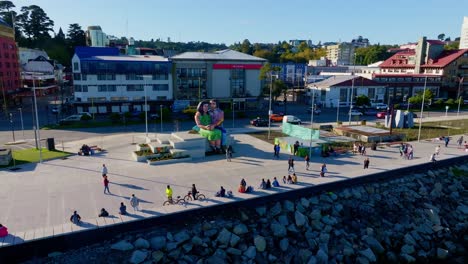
(209, 119)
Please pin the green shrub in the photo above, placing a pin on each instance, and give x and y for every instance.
(115, 117)
(439, 102)
(450, 102)
(85, 118)
(189, 111)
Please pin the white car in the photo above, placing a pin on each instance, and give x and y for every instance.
(380, 106)
(355, 112)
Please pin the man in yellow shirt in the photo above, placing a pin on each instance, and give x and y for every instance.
(169, 193)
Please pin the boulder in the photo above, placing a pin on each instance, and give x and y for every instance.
(210, 232)
(182, 236)
(304, 255)
(157, 256)
(305, 203)
(408, 258)
(315, 214)
(122, 246)
(261, 211)
(171, 246)
(409, 239)
(462, 209)
(314, 200)
(234, 240)
(301, 220)
(240, 229)
(224, 237)
(251, 252)
(283, 220)
(278, 230)
(288, 206)
(187, 247)
(374, 245)
(197, 241)
(442, 253)
(322, 257)
(141, 243)
(407, 249)
(234, 251)
(275, 210)
(368, 254)
(158, 242)
(260, 243)
(138, 256)
(284, 244)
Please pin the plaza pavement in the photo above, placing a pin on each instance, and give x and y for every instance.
(38, 199)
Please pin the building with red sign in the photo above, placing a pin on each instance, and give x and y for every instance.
(224, 75)
(9, 68)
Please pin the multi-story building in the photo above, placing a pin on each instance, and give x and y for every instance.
(406, 72)
(360, 42)
(25, 55)
(105, 81)
(341, 54)
(9, 68)
(226, 75)
(464, 34)
(96, 38)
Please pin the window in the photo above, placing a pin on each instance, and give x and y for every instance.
(84, 77)
(76, 76)
(160, 87)
(85, 88)
(78, 88)
(106, 77)
(107, 88)
(102, 88)
(133, 77)
(371, 93)
(160, 76)
(161, 98)
(343, 95)
(135, 88)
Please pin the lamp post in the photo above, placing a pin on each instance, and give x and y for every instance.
(12, 127)
(446, 110)
(459, 95)
(21, 116)
(233, 113)
(338, 110)
(312, 120)
(146, 108)
(37, 119)
(161, 114)
(269, 105)
(422, 108)
(352, 90)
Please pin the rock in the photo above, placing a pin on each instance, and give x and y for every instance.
(322, 257)
(314, 200)
(368, 254)
(278, 230)
(261, 211)
(316, 225)
(138, 256)
(220, 253)
(210, 232)
(300, 208)
(325, 198)
(251, 252)
(337, 208)
(214, 260)
(169, 236)
(158, 242)
(333, 196)
(288, 206)
(324, 238)
(206, 226)
(157, 256)
(408, 258)
(283, 220)
(141, 243)
(197, 241)
(260, 243)
(312, 260)
(122, 246)
(54, 254)
(409, 239)
(301, 220)
(275, 210)
(187, 247)
(234, 251)
(433, 216)
(234, 240)
(271, 258)
(348, 250)
(362, 260)
(292, 228)
(305, 203)
(182, 236)
(174, 254)
(315, 214)
(374, 245)
(240, 229)
(244, 216)
(284, 244)
(171, 246)
(442, 253)
(407, 249)
(462, 209)
(224, 237)
(304, 255)
(329, 220)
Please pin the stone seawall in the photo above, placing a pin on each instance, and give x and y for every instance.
(421, 218)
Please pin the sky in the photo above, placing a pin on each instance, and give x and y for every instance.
(263, 21)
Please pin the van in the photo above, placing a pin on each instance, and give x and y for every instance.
(292, 119)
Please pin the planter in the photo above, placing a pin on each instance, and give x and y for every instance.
(168, 161)
(139, 158)
(142, 147)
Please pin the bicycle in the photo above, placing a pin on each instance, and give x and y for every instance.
(199, 196)
(178, 200)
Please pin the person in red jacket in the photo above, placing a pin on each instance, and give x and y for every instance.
(3, 231)
(106, 185)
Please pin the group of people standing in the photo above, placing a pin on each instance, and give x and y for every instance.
(406, 151)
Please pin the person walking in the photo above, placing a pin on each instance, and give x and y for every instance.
(104, 170)
(447, 140)
(169, 193)
(291, 164)
(296, 148)
(437, 150)
(323, 170)
(194, 192)
(460, 141)
(106, 185)
(134, 202)
(276, 149)
(229, 153)
(432, 158)
(366, 163)
(307, 160)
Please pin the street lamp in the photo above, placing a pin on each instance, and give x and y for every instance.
(21, 116)
(37, 119)
(352, 90)
(337, 110)
(269, 104)
(161, 114)
(312, 120)
(459, 95)
(233, 113)
(422, 108)
(146, 107)
(446, 110)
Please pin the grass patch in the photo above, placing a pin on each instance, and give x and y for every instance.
(24, 156)
(263, 135)
(432, 130)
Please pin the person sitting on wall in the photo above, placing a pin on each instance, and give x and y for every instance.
(103, 213)
(203, 121)
(3, 231)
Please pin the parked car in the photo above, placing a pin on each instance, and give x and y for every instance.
(55, 110)
(154, 116)
(381, 115)
(379, 106)
(85, 113)
(70, 120)
(292, 119)
(370, 112)
(276, 117)
(259, 122)
(355, 112)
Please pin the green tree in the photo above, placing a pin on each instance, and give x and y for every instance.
(246, 47)
(452, 45)
(362, 100)
(75, 37)
(417, 99)
(34, 23)
(441, 36)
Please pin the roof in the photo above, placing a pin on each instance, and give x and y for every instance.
(445, 58)
(345, 80)
(87, 52)
(130, 58)
(218, 55)
(400, 59)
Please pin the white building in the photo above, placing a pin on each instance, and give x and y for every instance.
(96, 38)
(26, 55)
(336, 90)
(341, 54)
(105, 81)
(464, 34)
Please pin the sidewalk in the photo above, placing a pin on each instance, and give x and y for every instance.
(38, 200)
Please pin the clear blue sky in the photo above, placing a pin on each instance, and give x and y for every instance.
(219, 21)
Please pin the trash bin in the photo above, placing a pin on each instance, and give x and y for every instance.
(50, 144)
(363, 122)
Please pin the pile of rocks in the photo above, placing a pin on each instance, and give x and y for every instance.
(419, 218)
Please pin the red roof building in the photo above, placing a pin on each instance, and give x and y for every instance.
(405, 72)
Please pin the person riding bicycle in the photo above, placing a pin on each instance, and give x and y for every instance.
(169, 193)
(194, 192)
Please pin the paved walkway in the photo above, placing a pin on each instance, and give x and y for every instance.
(38, 199)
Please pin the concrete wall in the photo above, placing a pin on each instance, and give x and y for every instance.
(221, 86)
